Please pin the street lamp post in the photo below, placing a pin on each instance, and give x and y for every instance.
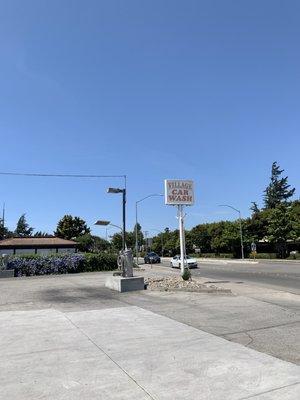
(241, 229)
(123, 191)
(136, 222)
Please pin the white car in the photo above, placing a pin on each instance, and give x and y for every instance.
(191, 262)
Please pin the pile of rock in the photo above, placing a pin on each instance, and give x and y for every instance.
(178, 284)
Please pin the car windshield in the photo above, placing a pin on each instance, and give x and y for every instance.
(152, 254)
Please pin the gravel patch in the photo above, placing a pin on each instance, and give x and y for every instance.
(178, 284)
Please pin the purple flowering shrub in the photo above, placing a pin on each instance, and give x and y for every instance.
(45, 265)
(30, 265)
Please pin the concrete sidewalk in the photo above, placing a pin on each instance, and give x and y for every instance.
(131, 353)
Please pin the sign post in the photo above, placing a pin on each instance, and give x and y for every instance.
(180, 193)
(253, 249)
(182, 237)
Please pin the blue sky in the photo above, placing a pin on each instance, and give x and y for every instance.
(202, 90)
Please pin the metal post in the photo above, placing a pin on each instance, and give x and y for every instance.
(181, 236)
(124, 220)
(3, 215)
(146, 240)
(241, 234)
(136, 235)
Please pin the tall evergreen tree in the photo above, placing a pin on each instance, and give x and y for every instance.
(41, 234)
(278, 191)
(3, 230)
(254, 207)
(23, 229)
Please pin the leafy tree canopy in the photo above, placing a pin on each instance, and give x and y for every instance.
(92, 244)
(71, 227)
(280, 228)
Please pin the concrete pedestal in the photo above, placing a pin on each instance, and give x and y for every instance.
(121, 284)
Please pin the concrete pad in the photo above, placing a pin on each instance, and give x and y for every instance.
(291, 392)
(260, 340)
(123, 284)
(174, 361)
(44, 356)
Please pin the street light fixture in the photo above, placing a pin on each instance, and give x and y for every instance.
(102, 223)
(123, 191)
(136, 222)
(106, 223)
(241, 229)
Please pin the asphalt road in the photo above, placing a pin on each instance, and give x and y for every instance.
(280, 275)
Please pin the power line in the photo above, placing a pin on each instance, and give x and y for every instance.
(62, 175)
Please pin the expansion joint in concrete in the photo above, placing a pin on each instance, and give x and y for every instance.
(108, 356)
(259, 329)
(269, 391)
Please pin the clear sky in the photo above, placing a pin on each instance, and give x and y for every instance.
(203, 90)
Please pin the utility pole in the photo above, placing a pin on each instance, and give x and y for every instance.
(3, 215)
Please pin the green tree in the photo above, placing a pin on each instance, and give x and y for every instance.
(23, 229)
(140, 235)
(4, 232)
(257, 226)
(70, 227)
(278, 191)
(254, 207)
(171, 243)
(41, 234)
(92, 244)
(226, 237)
(117, 240)
(281, 229)
(201, 238)
(158, 243)
(295, 215)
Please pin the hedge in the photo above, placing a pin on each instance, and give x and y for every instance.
(29, 265)
(212, 255)
(265, 256)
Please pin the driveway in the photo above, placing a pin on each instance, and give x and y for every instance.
(68, 337)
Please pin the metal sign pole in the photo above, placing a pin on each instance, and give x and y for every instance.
(181, 236)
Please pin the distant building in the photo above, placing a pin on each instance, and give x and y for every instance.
(37, 245)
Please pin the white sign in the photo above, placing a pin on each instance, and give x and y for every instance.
(178, 192)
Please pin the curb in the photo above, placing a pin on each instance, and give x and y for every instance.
(208, 290)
